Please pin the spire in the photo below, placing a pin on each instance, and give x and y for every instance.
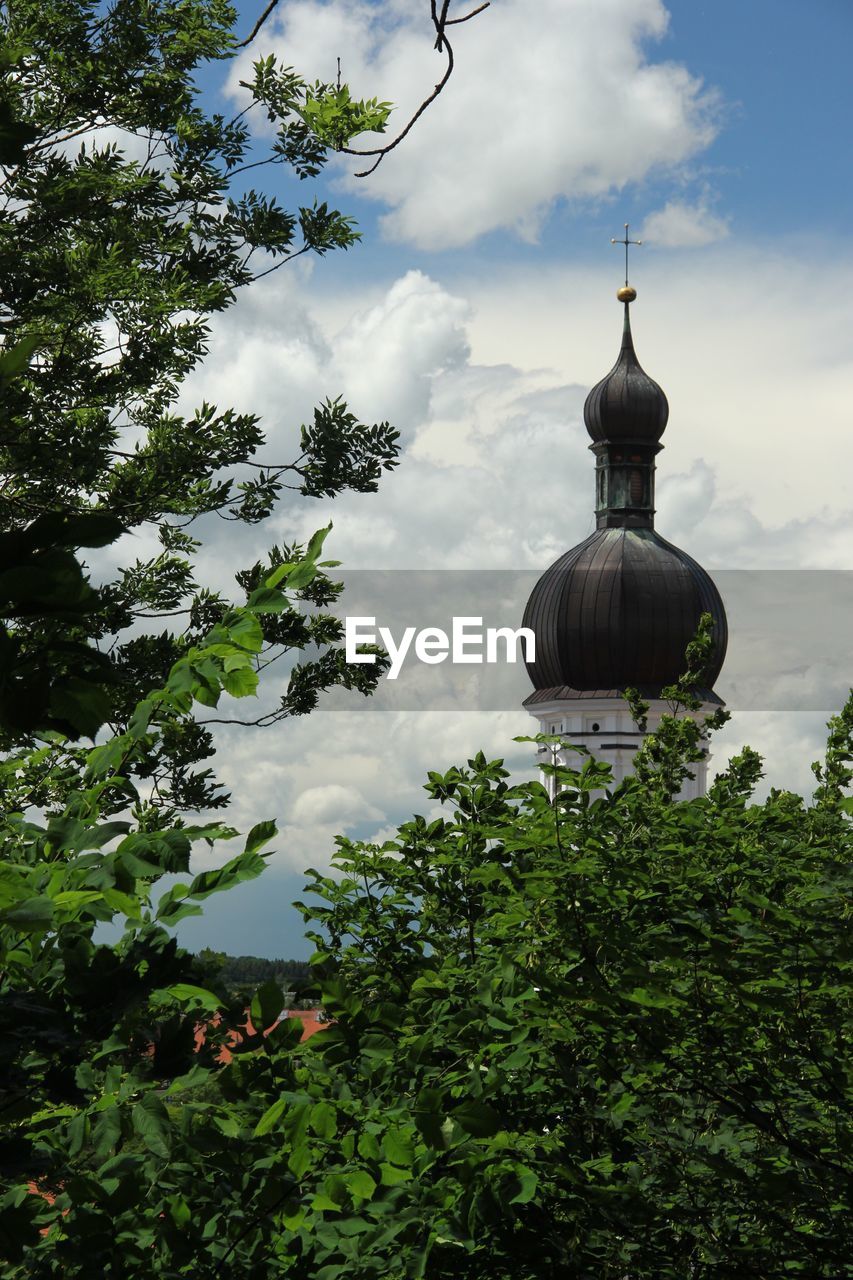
(626, 405)
(626, 415)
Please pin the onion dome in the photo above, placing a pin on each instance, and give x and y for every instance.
(627, 405)
(620, 610)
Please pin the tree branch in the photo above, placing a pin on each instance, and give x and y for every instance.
(256, 28)
(440, 21)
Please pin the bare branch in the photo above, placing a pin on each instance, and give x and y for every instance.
(260, 22)
(440, 21)
(283, 262)
(451, 22)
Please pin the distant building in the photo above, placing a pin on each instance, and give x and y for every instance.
(313, 1020)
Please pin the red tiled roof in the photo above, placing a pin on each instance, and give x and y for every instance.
(313, 1020)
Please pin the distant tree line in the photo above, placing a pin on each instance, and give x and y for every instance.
(237, 972)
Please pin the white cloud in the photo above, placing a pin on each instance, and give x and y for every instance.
(380, 758)
(751, 347)
(388, 354)
(333, 803)
(682, 225)
(143, 148)
(487, 380)
(561, 103)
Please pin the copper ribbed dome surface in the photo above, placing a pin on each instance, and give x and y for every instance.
(617, 610)
(626, 404)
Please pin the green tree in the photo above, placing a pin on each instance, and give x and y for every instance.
(605, 1035)
(92, 1032)
(602, 1036)
(111, 267)
(127, 220)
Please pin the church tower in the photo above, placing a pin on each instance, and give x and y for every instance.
(619, 609)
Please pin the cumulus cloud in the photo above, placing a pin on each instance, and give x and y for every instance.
(342, 806)
(497, 149)
(487, 380)
(381, 758)
(682, 225)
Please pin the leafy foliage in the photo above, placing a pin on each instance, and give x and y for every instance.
(613, 1026)
(600, 1036)
(127, 221)
(90, 1033)
(332, 115)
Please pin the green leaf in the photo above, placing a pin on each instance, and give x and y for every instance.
(268, 600)
(246, 866)
(151, 1122)
(623, 1105)
(33, 915)
(186, 993)
(397, 1148)
(360, 1184)
(141, 718)
(16, 359)
(70, 900)
(278, 574)
(323, 1120)
(527, 1182)
(180, 1211)
(107, 1131)
(270, 1117)
(109, 757)
(315, 542)
(649, 999)
(245, 630)
(267, 1004)
(368, 1147)
(476, 1118)
(261, 834)
(240, 683)
(322, 1201)
(171, 913)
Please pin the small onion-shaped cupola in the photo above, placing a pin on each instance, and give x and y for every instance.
(620, 609)
(626, 415)
(627, 406)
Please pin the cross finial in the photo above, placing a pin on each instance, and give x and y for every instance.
(626, 242)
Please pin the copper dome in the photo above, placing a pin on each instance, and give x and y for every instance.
(618, 610)
(627, 404)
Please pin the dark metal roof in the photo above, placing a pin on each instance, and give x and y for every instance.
(564, 693)
(627, 404)
(617, 610)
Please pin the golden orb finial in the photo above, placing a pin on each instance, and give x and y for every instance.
(627, 293)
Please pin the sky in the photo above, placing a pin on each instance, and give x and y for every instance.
(478, 311)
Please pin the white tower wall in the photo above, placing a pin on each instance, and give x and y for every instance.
(605, 727)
